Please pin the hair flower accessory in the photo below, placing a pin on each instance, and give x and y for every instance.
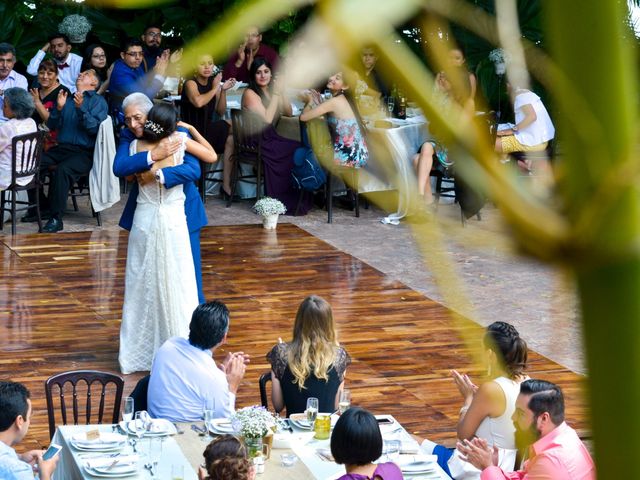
(154, 127)
(76, 27)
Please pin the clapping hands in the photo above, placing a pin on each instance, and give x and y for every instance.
(62, 99)
(478, 453)
(465, 386)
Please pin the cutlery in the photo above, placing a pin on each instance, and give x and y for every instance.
(132, 442)
(200, 430)
(113, 464)
(178, 429)
(149, 466)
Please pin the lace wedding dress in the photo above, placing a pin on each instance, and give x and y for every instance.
(160, 291)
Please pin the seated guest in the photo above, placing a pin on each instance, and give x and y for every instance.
(313, 364)
(375, 85)
(356, 442)
(225, 458)
(239, 65)
(202, 96)
(556, 451)
(128, 75)
(488, 409)
(46, 97)
(96, 58)
(18, 107)
(457, 60)
(69, 63)
(431, 150)
(9, 78)
(184, 375)
(77, 121)
(533, 127)
(266, 101)
(349, 147)
(15, 418)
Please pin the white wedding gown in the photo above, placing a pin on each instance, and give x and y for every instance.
(160, 290)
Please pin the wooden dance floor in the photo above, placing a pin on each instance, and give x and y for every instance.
(61, 300)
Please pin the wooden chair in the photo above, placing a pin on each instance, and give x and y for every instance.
(25, 162)
(139, 394)
(75, 378)
(247, 140)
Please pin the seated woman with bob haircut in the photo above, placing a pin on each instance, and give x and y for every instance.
(356, 442)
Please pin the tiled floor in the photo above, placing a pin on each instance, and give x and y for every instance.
(495, 282)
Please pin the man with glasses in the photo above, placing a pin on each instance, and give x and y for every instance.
(240, 62)
(69, 64)
(128, 75)
(9, 78)
(151, 40)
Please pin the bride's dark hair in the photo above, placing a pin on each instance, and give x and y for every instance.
(161, 122)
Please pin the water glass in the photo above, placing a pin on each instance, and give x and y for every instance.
(312, 410)
(391, 450)
(326, 95)
(127, 412)
(345, 400)
(391, 104)
(177, 472)
(140, 423)
(209, 415)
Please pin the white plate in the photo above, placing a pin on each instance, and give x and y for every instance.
(111, 447)
(221, 426)
(118, 469)
(418, 467)
(107, 442)
(112, 474)
(300, 420)
(162, 427)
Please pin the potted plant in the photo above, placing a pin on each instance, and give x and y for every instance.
(270, 209)
(253, 424)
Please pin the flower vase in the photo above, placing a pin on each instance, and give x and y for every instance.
(254, 446)
(270, 222)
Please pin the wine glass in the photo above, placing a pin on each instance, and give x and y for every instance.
(345, 400)
(140, 423)
(391, 450)
(127, 413)
(391, 104)
(312, 410)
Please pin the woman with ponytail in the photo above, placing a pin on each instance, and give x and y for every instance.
(487, 409)
(225, 458)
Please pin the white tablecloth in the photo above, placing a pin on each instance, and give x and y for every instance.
(69, 464)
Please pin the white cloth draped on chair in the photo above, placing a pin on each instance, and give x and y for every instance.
(103, 184)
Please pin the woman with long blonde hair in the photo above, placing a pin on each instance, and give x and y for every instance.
(313, 364)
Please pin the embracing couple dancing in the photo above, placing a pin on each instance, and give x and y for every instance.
(164, 213)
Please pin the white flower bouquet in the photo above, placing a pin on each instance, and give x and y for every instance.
(269, 206)
(253, 422)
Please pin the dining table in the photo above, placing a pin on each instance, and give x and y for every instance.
(183, 446)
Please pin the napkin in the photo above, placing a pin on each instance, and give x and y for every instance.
(104, 439)
(106, 461)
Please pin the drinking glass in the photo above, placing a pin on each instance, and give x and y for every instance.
(391, 450)
(140, 424)
(312, 410)
(127, 413)
(209, 415)
(177, 472)
(391, 103)
(345, 400)
(326, 95)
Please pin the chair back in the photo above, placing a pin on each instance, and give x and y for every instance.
(78, 384)
(246, 128)
(26, 152)
(264, 379)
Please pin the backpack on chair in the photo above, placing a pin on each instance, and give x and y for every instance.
(307, 173)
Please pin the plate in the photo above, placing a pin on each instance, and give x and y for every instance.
(161, 427)
(96, 473)
(300, 420)
(106, 443)
(118, 469)
(221, 426)
(418, 467)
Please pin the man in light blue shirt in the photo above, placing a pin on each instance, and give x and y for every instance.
(185, 378)
(15, 418)
(9, 78)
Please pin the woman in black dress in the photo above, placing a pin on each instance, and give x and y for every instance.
(203, 95)
(313, 364)
(45, 97)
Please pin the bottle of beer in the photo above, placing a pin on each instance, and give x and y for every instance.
(402, 108)
(180, 85)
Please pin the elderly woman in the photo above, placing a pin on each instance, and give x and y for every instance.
(313, 364)
(18, 108)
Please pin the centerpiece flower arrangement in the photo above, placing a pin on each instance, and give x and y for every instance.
(253, 422)
(76, 27)
(269, 208)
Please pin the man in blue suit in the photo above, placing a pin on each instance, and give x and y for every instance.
(136, 107)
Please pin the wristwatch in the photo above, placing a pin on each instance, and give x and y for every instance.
(514, 128)
(158, 176)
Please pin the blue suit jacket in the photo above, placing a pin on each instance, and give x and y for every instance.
(186, 174)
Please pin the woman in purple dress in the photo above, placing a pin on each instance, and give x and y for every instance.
(356, 442)
(264, 98)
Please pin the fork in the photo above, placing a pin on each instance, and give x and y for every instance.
(179, 430)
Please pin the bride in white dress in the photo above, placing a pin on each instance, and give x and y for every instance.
(160, 287)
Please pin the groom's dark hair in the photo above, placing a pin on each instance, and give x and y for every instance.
(209, 324)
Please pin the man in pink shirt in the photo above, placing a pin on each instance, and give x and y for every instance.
(555, 452)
